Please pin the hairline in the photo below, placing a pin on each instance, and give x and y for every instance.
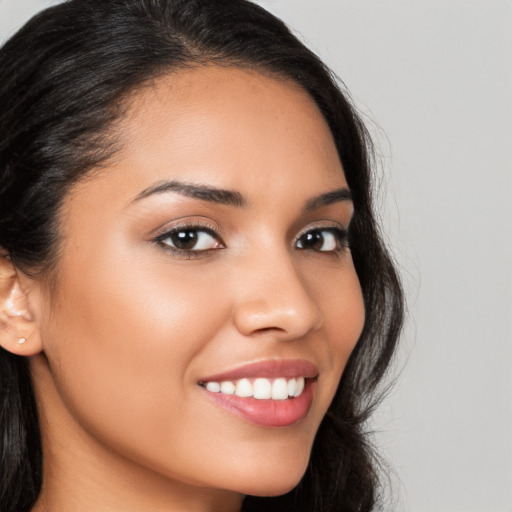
(124, 104)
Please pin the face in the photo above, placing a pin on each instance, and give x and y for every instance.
(210, 254)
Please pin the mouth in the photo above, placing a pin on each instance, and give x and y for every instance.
(269, 393)
(260, 388)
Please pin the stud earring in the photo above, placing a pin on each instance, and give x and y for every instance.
(21, 341)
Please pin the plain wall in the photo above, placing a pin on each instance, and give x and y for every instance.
(434, 79)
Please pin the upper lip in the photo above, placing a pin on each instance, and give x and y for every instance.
(270, 369)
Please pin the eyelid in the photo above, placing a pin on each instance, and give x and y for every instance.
(188, 223)
(341, 233)
(326, 225)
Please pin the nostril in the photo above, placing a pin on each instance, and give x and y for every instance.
(265, 330)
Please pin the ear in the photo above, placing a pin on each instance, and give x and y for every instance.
(19, 331)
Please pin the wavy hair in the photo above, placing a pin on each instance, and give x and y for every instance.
(65, 76)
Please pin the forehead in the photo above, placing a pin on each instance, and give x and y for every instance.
(233, 116)
(225, 127)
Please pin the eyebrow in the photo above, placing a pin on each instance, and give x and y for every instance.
(334, 196)
(203, 192)
(234, 198)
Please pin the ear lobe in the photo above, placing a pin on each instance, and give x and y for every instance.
(19, 333)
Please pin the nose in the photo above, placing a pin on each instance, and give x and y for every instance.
(274, 299)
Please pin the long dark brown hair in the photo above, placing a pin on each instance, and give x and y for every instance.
(64, 77)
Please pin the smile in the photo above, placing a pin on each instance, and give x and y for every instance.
(260, 388)
(276, 393)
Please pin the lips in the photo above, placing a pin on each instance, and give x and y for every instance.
(276, 393)
(268, 369)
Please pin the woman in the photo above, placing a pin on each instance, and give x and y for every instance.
(196, 305)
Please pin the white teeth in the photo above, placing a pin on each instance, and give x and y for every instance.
(227, 387)
(260, 388)
(243, 388)
(280, 389)
(214, 387)
(299, 386)
(292, 384)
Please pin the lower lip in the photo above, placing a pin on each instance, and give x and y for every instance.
(268, 413)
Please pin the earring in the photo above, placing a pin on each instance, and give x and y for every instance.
(21, 341)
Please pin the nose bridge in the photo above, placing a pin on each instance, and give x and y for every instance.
(273, 297)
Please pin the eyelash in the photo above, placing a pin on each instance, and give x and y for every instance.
(340, 238)
(190, 228)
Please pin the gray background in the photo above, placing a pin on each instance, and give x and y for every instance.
(434, 81)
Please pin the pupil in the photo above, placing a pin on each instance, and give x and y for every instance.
(313, 240)
(184, 239)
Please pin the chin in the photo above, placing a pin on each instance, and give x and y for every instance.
(274, 483)
(272, 489)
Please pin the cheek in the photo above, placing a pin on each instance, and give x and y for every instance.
(129, 307)
(350, 317)
(341, 301)
(120, 342)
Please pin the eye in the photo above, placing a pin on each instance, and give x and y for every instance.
(190, 239)
(323, 240)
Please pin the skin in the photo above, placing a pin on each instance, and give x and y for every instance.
(133, 327)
